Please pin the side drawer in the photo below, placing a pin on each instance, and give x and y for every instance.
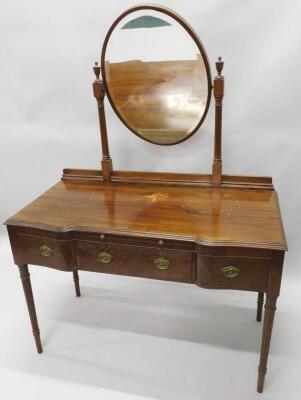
(41, 250)
(229, 272)
(146, 262)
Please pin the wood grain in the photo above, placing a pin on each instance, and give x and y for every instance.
(135, 261)
(25, 278)
(230, 217)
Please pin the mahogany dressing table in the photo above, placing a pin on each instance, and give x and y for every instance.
(216, 231)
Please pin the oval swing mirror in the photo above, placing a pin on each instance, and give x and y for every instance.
(156, 74)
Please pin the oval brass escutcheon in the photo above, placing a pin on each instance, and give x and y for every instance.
(231, 271)
(161, 263)
(46, 251)
(104, 257)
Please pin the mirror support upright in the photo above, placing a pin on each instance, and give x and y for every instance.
(99, 93)
(218, 90)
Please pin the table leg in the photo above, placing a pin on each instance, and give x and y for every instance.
(76, 282)
(270, 308)
(25, 278)
(259, 305)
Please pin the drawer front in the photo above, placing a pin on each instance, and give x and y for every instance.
(40, 250)
(245, 273)
(144, 262)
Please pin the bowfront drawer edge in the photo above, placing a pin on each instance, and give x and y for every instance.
(42, 250)
(233, 272)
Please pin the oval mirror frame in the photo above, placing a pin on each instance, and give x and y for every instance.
(197, 42)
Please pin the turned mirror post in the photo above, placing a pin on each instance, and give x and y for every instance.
(99, 93)
(218, 89)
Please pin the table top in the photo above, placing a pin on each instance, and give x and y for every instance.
(217, 216)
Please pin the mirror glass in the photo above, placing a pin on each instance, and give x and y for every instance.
(157, 76)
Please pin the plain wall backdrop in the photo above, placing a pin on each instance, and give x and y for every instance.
(141, 337)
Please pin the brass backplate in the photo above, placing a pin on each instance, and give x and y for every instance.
(161, 263)
(46, 251)
(231, 271)
(104, 257)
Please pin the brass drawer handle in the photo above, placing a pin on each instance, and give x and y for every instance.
(161, 263)
(46, 251)
(231, 272)
(104, 257)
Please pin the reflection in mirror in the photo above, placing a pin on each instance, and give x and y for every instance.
(156, 77)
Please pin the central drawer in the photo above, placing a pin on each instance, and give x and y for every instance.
(146, 262)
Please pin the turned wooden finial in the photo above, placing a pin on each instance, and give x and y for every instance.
(98, 86)
(218, 86)
(96, 70)
(219, 65)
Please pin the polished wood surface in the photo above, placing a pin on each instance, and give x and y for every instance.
(168, 179)
(25, 279)
(133, 260)
(206, 215)
(252, 271)
(76, 282)
(176, 227)
(260, 300)
(218, 89)
(272, 293)
(225, 237)
(99, 94)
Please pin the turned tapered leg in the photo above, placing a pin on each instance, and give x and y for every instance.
(76, 282)
(269, 313)
(259, 306)
(25, 278)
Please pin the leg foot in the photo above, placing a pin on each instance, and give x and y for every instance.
(25, 278)
(259, 306)
(270, 308)
(76, 282)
